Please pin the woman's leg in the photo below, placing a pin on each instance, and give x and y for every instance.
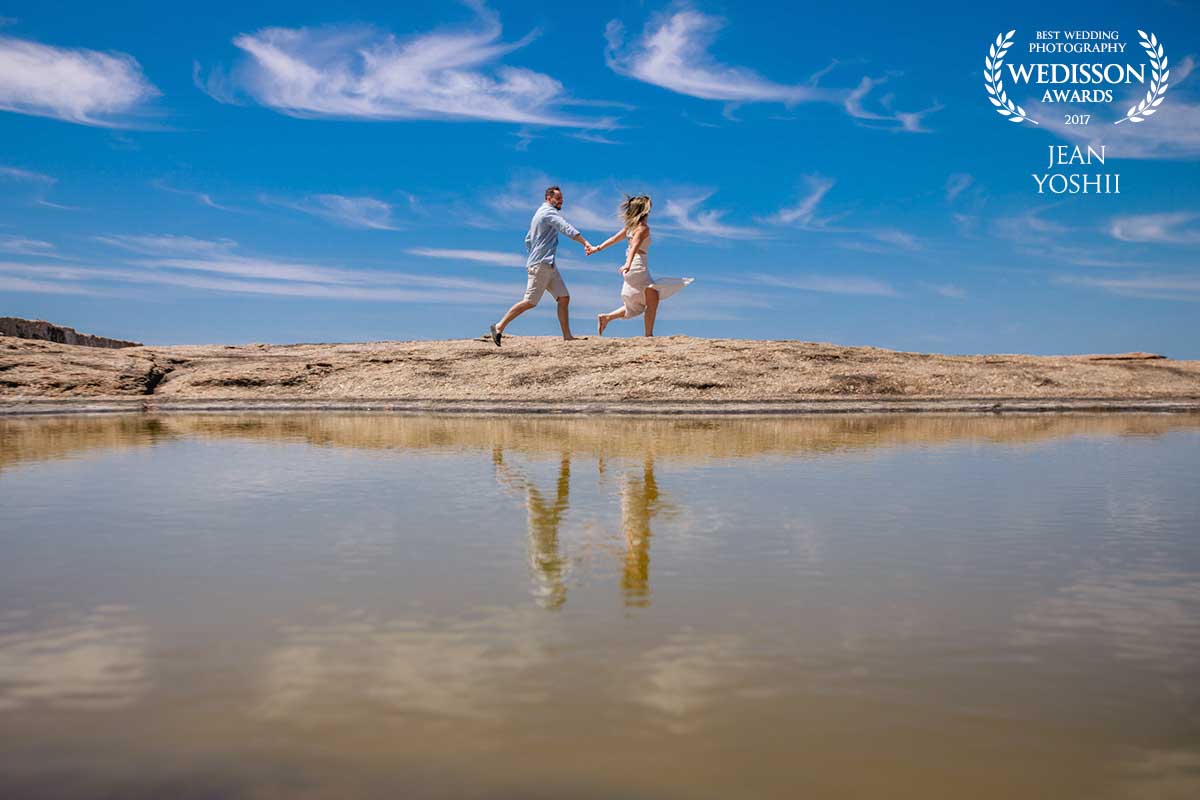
(602, 320)
(651, 309)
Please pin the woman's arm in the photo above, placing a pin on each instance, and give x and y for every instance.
(635, 243)
(616, 237)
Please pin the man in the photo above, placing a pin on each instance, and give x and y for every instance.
(542, 244)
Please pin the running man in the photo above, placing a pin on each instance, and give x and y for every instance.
(542, 245)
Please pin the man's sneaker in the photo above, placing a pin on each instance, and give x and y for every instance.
(495, 335)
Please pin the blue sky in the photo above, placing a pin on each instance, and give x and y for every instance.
(283, 172)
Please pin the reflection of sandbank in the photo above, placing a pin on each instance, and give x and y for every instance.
(35, 439)
(96, 663)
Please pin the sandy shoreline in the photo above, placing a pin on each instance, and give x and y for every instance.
(542, 375)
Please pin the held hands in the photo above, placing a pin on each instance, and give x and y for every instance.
(589, 249)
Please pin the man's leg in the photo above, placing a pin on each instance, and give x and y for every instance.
(517, 310)
(540, 276)
(564, 317)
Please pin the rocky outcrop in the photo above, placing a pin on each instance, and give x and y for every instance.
(49, 332)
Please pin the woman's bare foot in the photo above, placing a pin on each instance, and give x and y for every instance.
(601, 324)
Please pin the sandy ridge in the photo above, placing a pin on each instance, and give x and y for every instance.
(679, 374)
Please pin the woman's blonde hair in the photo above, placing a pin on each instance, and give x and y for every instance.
(634, 210)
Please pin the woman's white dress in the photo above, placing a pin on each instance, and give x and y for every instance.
(638, 280)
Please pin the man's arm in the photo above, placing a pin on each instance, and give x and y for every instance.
(566, 228)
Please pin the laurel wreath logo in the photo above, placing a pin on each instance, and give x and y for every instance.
(1158, 81)
(995, 86)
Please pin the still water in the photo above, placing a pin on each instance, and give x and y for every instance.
(345, 606)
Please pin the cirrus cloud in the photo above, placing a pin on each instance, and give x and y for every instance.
(361, 72)
(72, 84)
(1166, 228)
(673, 52)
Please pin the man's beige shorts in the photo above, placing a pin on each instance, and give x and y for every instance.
(543, 278)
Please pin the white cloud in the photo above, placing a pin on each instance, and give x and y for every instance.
(803, 213)
(1173, 133)
(1156, 228)
(432, 291)
(72, 84)
(1029, 226)
(501, 259)
(1150, 287)
(583, 207)
(203, 198)
(478, 256)
(213, 268)
(956, 184)
(948, 290)
(673, 52)
(40, 184)
(827, 284)
(685, 215)
(19, 245)
(168, 244)
(360, 72)
(910, 121)
(895, 237)
(352, 212)
(24, 175)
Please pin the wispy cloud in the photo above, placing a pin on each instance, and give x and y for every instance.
(803, 216)
(1149, 287)
(829, 284)
(219, 256)
(214, 265)
(19, 245)
(910, 121)
(360, 72)
(594, 138)
(1030, 226)
(40, 185)
(672, 52)
(1164, 228)
(1173, 134)
(803, 213)
(72, 84)
(203, 198)
(956, 184)
(15, 283)
(686, 216)
(584, 207)
(81, 280)
(498, 258)
(351, 212)
(947, 290)
(15, 174)
(491, 257)
(168, 244)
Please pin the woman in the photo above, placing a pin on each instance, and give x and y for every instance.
(641, 293)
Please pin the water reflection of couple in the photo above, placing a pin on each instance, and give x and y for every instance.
(640, 501)
(640, 293)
